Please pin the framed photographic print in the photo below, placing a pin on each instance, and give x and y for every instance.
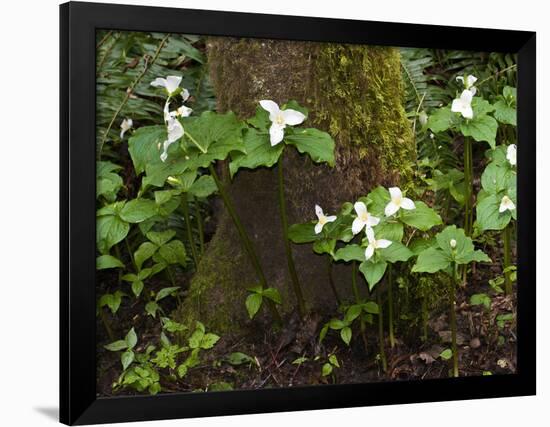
(268, 213)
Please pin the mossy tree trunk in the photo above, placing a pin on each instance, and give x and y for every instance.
(353, 92)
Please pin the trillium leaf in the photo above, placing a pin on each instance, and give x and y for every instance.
(108, 261)
(481, 128)
(462, 242)
(350, 253)
(260, 120)
(488, 215)
(389, 229)
(495, 178)
(440, 120)
(173, 252)
(324, 246)
(143, 253)
(422, 217)
(505, 113)
(431, 260)
(259, 152)
(143, 146)
(395, 252)
(253, 303)
(302, 233)
(203, 187)
(377, 200)
(210, 129)
(473, 256)
(159, 238)
(373, 272)
(138, 210)
(318, 145)
(110, 230)
(420, 244)
(481, 106)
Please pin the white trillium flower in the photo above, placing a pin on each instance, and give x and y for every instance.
(506, 204)
(397, 202)
(463, 104)
(125, 126)
(468, 83)
(323, 219)
(182, 111)
(511, 154)
(374, 244)
(170, 83)
(280, 119)
(453, 243)
(364, 218)
(175, 132)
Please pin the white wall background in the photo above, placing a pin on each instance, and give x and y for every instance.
(29, 210)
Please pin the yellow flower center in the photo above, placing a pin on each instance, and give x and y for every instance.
(323, 220)
(280, 120)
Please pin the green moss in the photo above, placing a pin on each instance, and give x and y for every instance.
(367, 113)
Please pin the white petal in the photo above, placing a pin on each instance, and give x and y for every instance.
(276, 134)
(391, 208)
(470, 80)
(164, 154)
(407, 203)
(360, 208)
(369, 252)
(185, 94)
(395, 193)
(473, 89)
(502, 207)
(372, 221)
(184, 111)
(331, 218)
(467, 112)
(172, 83)
(466, 96)
(511, 154)
(175, 130)
(456, 106)
(383, 243)
(318, 228)
(271, 107)
(159, 82)
(357, 226)
(460, 79)
(122, 133)
(370, 235)
(293, 117)
(319, 211)
(166, 111)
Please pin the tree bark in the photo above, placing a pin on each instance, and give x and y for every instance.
(353, 92)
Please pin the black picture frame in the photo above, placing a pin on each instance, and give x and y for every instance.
(78, 24)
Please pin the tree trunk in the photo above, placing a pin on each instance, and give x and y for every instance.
(353, 92)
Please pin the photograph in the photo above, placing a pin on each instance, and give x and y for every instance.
(277, 213)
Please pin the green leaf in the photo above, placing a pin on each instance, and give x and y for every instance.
(208, 341)
(349, 253)
(203, 187)
(324, 246)
(440, 120)
(345, 334)
(353, 312)
(131, 338)
(336, 324)
(326, 370)
(505, 113)
(159, 238)
(220, 386)
(481, 299)
(302, 233)
(373, 272)
(481, 106)
(138, 210)
(333, 360)
(317, 144)
(173, 252)
(390, 230)
(143, 253)
(173, 326)
(238, 358)
(117, 345)
(377, 200)
(371, 307)
(164, 292)
(127, 358)
(395, 252)
(196, 338)
(488, 215)
(420, 244)
(253, 304)
(446, 354)
(143, 146)
(431, 260)
(110, 231)
(422, 217)
(137, 287)
(151, 308)
(108, 261)
(273, 294)
(496, 178)
(259, 152)
(481, 128)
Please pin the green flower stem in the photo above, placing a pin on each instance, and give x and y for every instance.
(188, 228)
(381, 331)
(331, 280)
(468, 181)
(288, 249)
(200, 227)
(358, 300)
(247, 244)
(390, 306)
(452, 303)
(507, 237)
